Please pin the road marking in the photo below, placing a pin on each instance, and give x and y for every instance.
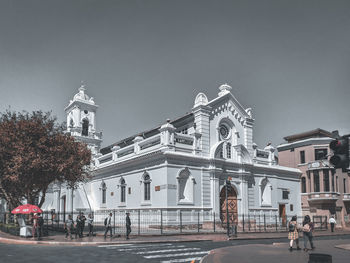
(138, 248)
(166, 250)
(182, 260)
(177, 255)
(121, 245)
(135, 245)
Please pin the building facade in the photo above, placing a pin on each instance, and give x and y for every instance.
(182, 164)
(324, 190)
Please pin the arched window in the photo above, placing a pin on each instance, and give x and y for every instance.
(266, 191)
(85, 130)
(185, 187)
(228, 150)
(104, 190)
(71, 123)
(122, 190)
(147, 187)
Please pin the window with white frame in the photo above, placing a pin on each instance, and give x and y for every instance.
(103, 189)
(146, 187)
(122, 190)
(85, 129)
(228, 151)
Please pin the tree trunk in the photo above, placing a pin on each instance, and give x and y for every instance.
(42, 200)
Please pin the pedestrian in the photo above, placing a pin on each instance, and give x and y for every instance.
(39, 229)
(308, 227)
(90, 225)
(82, 224)
(68, 226)
(293, 233)
(35, 224)
(77, 226)
(108, 222)
(332, 222)
(128, 225)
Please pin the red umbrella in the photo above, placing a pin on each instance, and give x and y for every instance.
(26, 209)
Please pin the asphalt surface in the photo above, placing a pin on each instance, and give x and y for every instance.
(144, 253)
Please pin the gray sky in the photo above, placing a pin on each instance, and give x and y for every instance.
(145, 61)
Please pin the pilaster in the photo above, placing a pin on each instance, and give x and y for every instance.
(201, 118)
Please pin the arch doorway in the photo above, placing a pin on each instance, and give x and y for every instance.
(231, 203)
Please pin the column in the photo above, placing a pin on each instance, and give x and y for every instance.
(215, 194)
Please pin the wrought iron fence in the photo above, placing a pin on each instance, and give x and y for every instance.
(165, 221)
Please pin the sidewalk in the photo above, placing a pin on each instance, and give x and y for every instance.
(59, 238)
(278, 252)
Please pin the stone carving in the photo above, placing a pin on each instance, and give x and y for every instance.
(201, 99)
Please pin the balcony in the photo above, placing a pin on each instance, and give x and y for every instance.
(346, 197)
(323, 197)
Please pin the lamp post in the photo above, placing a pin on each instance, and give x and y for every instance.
(227, 185)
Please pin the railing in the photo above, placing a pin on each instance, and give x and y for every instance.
(149, 142)
(323, 196)
(346, 197)
(182, 143)
(162, 221)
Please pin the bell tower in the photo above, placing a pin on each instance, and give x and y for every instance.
(81, 120)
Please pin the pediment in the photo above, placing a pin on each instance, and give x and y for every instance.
(228, 103)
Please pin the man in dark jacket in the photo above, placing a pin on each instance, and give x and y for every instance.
(77, 226)
(82, 224)
(128, 225)
(39, 229)
(108, 225)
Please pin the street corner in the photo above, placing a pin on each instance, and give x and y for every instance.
(277, 252)
(344, 246)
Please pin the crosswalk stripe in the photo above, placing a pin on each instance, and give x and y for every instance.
(135, 246)
(121, 245)
(177, 255)
(181, 260)
(139, 248)
(166, 250)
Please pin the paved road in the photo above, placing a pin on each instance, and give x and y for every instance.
(143, 253)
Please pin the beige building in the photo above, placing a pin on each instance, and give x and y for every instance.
(324, 190)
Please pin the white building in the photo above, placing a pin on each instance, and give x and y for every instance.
(182, 164)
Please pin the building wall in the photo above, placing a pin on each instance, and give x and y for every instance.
(290, 156)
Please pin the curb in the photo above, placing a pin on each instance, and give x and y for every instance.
(284, 237)
(98, 243)
(80, 244)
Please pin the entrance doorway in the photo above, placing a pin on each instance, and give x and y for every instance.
(231, 204)
(282, 214)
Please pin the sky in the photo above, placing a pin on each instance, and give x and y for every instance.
(145, 61)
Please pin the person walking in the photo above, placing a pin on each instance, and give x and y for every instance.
(77, 226)
(90, 220)
(68, 225)
(82, 225)
(128, 225)
(39, 229)
(108, 222)
(332, 222)
(308, 227)
(35, 224)
(293, 233)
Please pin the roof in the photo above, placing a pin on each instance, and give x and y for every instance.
(317, 133)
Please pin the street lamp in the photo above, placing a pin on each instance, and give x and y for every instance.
(227, 185)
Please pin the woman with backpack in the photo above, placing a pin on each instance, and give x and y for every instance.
(308, 227)
(293, 233)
